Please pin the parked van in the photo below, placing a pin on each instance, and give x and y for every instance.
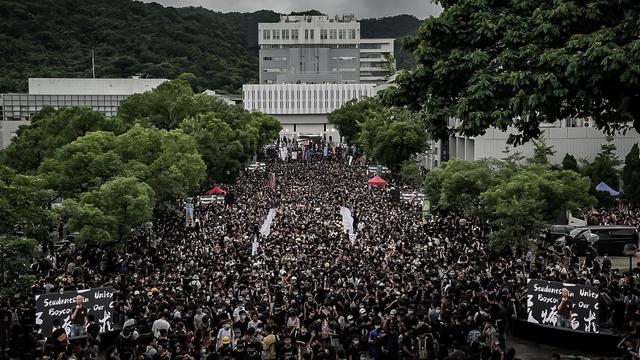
(609, 239)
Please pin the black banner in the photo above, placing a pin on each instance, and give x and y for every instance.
(576, 310)
(99, 302)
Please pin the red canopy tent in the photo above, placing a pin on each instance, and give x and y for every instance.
(216, 191)
(377, 181)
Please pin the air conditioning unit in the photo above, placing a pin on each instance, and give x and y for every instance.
(587, 122)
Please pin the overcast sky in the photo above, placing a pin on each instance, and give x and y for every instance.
(361, 8)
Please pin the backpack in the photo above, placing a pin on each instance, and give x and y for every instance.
(473, 337)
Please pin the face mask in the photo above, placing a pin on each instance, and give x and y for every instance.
(227, 326)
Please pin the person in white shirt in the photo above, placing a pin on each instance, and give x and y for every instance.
(225, 331)
(159, 324)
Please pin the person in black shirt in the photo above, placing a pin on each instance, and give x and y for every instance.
(78, 318)
(59, 338)
(565, 309)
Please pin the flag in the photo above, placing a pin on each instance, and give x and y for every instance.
(272, 181)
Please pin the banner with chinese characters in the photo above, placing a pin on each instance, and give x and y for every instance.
(569, 306)
(97, 301)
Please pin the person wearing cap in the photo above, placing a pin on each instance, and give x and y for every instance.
(226, 349)
(78, 318)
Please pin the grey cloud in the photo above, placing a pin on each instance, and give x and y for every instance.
(361, 8)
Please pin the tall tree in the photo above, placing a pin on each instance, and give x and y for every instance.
(521, 63)
(348, 118)
(631, 176)
(541, 152)
(411, 173)
(26, 222)
(392, 136)
(456, 185)
(535, 194)
(569, 162)
(49, 130)
(605, 167)
(105, 216)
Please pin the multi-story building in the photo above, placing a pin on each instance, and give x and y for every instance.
(319, 49)
(577, 137)
(309, 49)
(376, 60)
(101, 95)
(312, 65)
(303, 108)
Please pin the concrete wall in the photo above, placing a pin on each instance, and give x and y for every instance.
(8, 130)
(66, 86)
(581, 142)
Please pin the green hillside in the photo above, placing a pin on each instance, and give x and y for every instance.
(54, 38)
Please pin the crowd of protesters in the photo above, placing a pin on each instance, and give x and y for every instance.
(405, 287)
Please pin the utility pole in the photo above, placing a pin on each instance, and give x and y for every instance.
(93, 63)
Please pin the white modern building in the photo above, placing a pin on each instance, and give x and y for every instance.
(101, 95)
(576, 137)
(303, 108)
(375, 55)
(311, 66)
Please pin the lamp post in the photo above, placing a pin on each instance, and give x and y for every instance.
(630, 251)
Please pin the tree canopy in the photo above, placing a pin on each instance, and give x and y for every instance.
(391, 136)
(106, 215)
(168, 161)
(49, 130)
(521, 63)
(517, 200)
(350, 116)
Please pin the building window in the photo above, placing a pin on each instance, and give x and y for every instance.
(342, 34)
(267, 58)
(285, 34)
(311, 35)
(352, 33)
(323, 34)
(294, 34)
(332, 34)
(306, 34)
(276, 34)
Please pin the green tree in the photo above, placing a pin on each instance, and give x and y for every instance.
(569, 162)
(82, 165)
(456, 185)
(522, 63)
(105, 216)
(49, 130)
(631, 176)
(348, 118)
(605, 167)
(512, 158)
(535, 194)
(26, 222)
(164, 107)
(391, 136)
(224, 150)
(168, 161)
(411, 173)
(541, 152)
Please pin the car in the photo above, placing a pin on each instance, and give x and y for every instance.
(609, 239)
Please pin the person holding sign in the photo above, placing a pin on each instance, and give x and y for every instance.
(78, 318)
(565, 309)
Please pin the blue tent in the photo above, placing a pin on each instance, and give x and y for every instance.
(604, 187)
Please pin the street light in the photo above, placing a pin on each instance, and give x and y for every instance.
(630, 251)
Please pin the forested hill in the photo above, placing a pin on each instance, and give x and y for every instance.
(54, 38)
